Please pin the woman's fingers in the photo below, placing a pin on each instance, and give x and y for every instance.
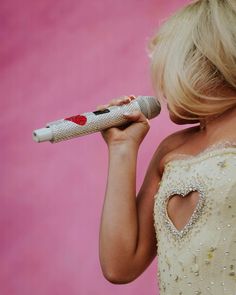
(102, 107)
(120, 101)
(132, 96)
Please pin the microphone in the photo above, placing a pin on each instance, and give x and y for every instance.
(96, 121)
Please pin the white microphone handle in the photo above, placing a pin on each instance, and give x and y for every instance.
(65, 129)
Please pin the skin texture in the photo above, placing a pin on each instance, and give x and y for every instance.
(127, 243)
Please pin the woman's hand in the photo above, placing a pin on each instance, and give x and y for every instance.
(133, 133)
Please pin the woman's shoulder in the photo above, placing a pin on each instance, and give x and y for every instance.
(172, 142)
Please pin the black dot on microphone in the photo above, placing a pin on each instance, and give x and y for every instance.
(101, 112)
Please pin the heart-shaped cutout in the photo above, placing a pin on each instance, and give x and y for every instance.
(180, 208)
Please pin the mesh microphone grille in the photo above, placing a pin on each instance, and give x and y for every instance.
(149, 106)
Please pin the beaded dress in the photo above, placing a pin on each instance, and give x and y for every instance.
(201, 257)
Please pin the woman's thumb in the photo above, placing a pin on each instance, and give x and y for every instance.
(133, 116)
(136, 116)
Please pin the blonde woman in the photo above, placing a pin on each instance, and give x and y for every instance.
(185, 211)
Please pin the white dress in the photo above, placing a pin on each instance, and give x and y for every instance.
(200, 258)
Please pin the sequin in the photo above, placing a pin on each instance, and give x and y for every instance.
(209, 255)
(183, 190)
(222, 164)
(207, 242)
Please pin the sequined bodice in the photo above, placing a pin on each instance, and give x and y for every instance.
(200, 258)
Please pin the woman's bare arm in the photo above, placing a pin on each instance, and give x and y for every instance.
(127, 242)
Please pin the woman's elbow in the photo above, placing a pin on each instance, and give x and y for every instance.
(117, 278)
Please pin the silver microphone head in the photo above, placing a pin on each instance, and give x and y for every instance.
(149, 106)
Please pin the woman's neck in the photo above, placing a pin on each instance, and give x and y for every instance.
(214, 120)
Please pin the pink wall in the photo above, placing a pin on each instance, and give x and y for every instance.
(59, 58)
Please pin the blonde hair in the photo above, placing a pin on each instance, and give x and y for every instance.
(193, 59)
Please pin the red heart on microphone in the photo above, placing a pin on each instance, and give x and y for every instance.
(80, 120)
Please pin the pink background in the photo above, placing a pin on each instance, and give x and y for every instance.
(60, 58)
